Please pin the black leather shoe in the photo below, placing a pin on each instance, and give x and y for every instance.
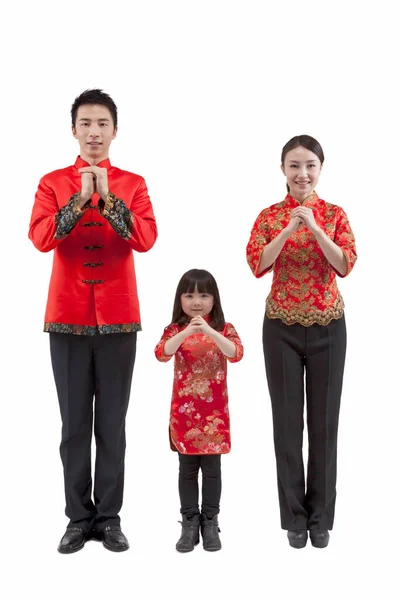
(113, 539)
(190, 534)
(297, 538)
(319, 538)
(210, 533)
(73, 540)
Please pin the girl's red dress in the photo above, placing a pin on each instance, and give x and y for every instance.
(199, 418)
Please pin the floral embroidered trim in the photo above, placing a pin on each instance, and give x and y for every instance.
(91, 330)
(118, 215)
(93, 224)
(93, 264)
(92, 280)
(67, 217)
(92, 247)
(312, 316)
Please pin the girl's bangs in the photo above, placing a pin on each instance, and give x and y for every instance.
(204, 286)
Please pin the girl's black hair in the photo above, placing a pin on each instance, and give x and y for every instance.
(205, 284)
(307, 142)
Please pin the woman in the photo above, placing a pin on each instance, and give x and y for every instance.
(306, 242)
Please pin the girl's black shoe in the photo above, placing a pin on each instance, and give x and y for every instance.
(190, 534)
(210, 533)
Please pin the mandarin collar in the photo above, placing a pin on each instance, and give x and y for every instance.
(80, 163)
(311, 200)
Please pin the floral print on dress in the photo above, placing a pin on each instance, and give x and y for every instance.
(304, 288)
(199, 416)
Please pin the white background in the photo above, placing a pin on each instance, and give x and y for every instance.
(208, 93)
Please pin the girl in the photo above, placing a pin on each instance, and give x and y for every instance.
(306, 242)
(199, 421)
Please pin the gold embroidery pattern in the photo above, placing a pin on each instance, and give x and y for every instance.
(304, 288)
(306, 314)
(199, 417)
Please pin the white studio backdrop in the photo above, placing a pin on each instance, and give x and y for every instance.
(208, 93)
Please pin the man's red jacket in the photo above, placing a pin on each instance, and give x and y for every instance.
(93, 283)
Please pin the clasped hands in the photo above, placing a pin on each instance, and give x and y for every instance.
(302, 215)
(94, 179)
(198, 325)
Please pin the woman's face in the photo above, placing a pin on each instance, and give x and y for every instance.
(302, 169)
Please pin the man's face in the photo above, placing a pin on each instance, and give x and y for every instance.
(94, 130)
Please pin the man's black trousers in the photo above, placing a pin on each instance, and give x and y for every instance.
(93, 378)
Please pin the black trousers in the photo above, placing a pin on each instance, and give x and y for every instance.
(316, 354)
(189, 466)
(93, 378)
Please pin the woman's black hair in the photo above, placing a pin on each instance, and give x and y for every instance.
(205, 284)
(307, 142)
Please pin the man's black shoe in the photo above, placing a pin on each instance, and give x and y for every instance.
(73, 540)
(113, 539)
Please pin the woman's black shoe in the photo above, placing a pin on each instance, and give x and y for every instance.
(319, 538)
(297, 538)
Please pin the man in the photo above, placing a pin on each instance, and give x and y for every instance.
(93, 215)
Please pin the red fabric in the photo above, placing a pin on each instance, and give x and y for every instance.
(199, 418)
(304, 288)
(70, 301)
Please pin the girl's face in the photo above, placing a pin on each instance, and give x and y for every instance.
(302, 169)
(195, 303)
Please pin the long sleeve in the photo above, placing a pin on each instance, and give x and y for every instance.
(49, 225)
(344, 238)
(231, 334)
(169, 332)
(259, 238)
(136, 225)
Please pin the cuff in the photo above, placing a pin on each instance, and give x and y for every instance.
(68, 216)
(118, 215)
